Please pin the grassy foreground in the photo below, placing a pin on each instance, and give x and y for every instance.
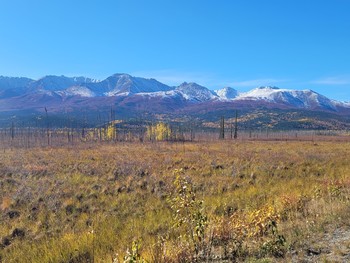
(172, 202)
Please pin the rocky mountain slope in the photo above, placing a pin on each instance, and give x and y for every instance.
(62, 94)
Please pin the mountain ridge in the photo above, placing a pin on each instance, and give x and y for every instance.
(59, 90)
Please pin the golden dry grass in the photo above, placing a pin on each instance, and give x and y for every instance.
(88, 202)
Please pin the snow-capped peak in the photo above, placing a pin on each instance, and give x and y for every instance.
(127, 85)
(227, 93)
(194, 92)
(295, 98)
(265, 93)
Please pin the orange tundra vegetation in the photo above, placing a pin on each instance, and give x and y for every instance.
(220, 201)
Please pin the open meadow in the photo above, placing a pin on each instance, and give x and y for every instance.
(218, 201)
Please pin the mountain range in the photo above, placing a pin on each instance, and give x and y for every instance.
(62, 93)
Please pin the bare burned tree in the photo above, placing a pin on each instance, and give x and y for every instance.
(12, 131)
(47, 127)
(222, 128)
(236, 127)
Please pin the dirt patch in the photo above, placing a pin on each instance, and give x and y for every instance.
(332, 247)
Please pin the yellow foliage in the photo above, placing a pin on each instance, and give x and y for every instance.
(111, 132)
(254, 224)
(262, 220)
(159, 132)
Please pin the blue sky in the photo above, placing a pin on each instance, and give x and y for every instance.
(238, 43)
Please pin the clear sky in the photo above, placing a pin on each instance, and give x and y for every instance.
(297, 44)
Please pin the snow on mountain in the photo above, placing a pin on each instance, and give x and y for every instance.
(118, 84)
(345, 104)
(78, 90)
(226, 93)
(313, 99)
(261, 93)
(194, 92)
(126, 84)
(297, 98)
(57, 83)
(161, 94)
(85, 80)
(186, 91)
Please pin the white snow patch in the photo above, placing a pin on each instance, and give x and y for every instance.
(79, 90)
(226, 93)
(162, 94)
(195, 92)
